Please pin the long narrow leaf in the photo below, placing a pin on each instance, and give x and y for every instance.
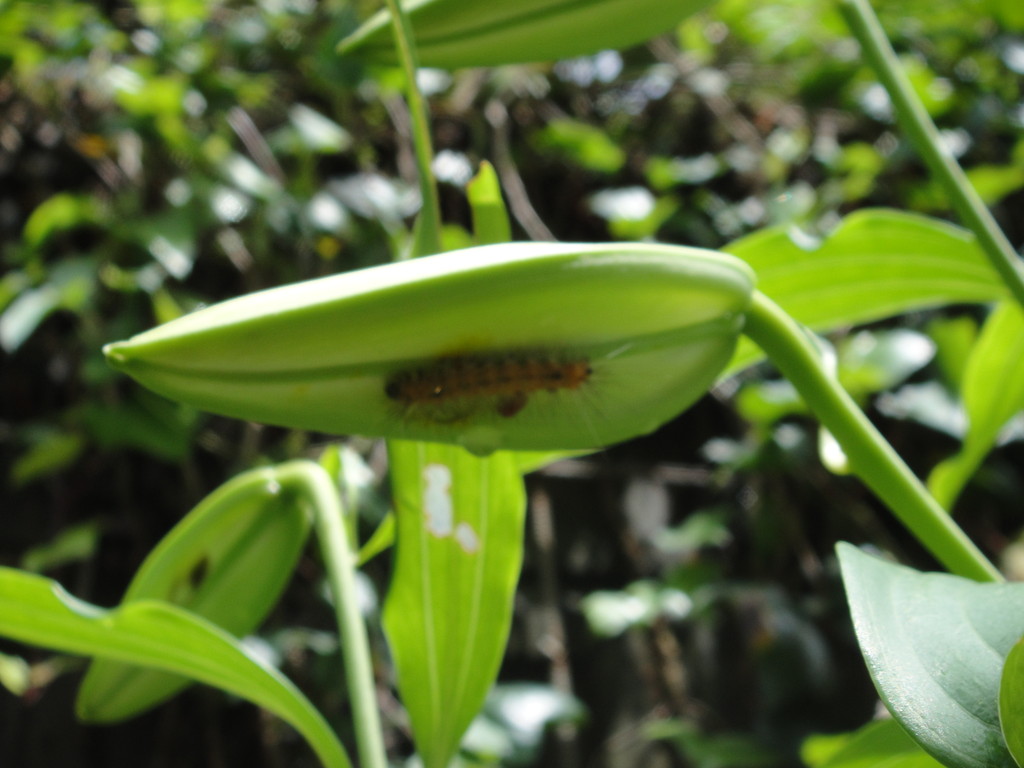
(37, 610)
(447, 616)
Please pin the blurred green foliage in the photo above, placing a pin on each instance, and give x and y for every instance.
(156, 156)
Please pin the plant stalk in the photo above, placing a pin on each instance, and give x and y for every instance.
(427, 238)
(871, 457)
(914, 119)
(340, 559)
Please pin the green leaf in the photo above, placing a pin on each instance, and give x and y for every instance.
(23, 315)
(515, 718)
(69, 285)
(935, 645)
(610, 613)
(1009, 13)
(149, 423)
(954, 339)
(875, 264)
(1011, 702)
(585, 145)
(227, 561)
(38, 611)
(309, 131)
(61, 212)
(632, 213)
(49, 453)
(879, 744)
(490, 217)
(170, 237)
(382, 538)
(531, 461)
(447, 616)
(71, 544)
(873, 361)
(993, 392)
(15, 674)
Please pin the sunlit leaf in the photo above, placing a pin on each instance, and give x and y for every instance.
(879, 744)
(61, 212)
(447, 615)
(69, 285)
(877, 263)
(490, 217)
(954, 338)
(514, 721)
(38, 611)
(586, 145)
(309, 131)
(14, 674)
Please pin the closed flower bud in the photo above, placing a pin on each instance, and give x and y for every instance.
(477, 33)
(516, 345)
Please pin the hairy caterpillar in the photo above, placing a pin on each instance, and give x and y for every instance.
(453, 388)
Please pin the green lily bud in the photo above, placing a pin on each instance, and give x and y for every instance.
(227, 561)
(513, 345)
(479, 33)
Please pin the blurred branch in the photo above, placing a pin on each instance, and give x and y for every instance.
(511, 181)
(255, 144)
(721, 106)
(554, 645)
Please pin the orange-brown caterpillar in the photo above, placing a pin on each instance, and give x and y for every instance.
(468, 380)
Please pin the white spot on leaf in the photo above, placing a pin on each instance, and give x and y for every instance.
(467, 538)
(437, 499)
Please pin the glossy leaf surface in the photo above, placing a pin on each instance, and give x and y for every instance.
(935, 646)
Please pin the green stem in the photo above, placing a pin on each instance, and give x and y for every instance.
(340, 559)
(922, 132)
(871, 457)
(428, 226)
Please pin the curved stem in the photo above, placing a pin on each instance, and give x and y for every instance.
(428, 225)
(871, 457)
(340, 559)
(915, 121)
